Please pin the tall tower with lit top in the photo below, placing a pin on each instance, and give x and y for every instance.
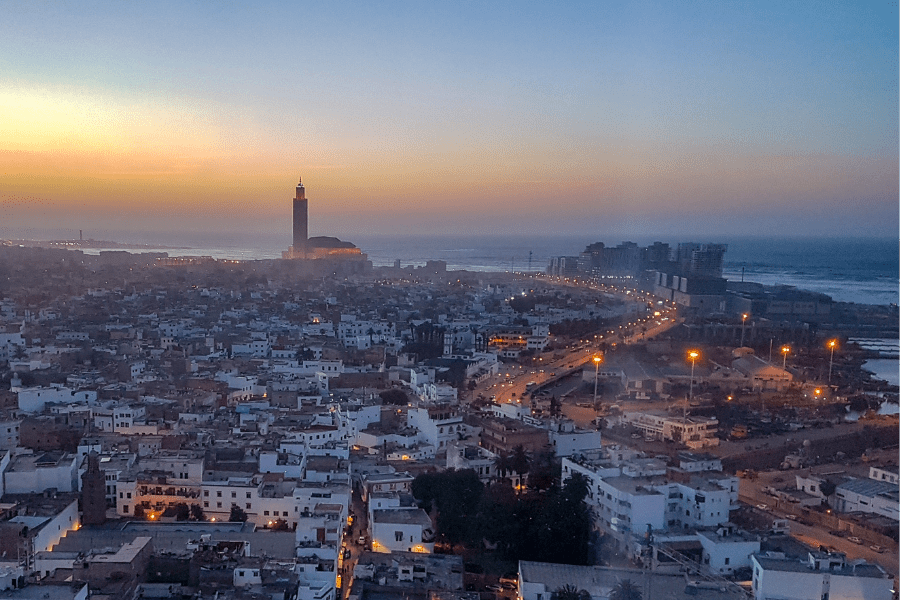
(301, 219)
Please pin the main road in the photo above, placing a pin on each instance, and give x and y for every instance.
(512, 382)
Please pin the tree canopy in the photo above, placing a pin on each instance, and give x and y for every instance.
(547, 525)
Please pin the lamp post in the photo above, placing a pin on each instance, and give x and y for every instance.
(692, 354)
(785, 350)
(597, 361)
(831, 345)
(743, 326)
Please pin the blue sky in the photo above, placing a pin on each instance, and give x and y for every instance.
(455, 116)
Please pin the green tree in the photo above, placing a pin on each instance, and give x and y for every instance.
(570, 592)
(197, 513)
(139, 512)
(394, 396)
(626, 590)
(455, 497)
(520, 461)
(182, 512)
(237, 514)
(827, 488)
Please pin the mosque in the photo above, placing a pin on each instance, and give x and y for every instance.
(316, 248)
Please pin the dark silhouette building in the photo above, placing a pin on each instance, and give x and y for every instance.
(93, 492)
(301, 219)
(335, 254)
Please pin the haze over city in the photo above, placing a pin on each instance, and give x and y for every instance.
(631, 117)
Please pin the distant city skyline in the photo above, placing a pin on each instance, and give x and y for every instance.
(626, 119)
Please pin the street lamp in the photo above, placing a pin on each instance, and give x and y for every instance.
(692, 354)
(597, 361)
(743, 325)
(785, 350)
(832, 344)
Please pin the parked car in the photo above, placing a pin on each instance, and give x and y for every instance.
(762, 506)
(875, 548)
(854, 539)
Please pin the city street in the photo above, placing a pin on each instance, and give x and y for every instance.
(512, 381)
(751, 493)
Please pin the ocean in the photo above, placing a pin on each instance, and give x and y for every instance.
(865, 271)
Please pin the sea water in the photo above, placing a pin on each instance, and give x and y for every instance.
(864, 271)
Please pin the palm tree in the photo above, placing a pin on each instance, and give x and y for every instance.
(626, 590)
(570, 592)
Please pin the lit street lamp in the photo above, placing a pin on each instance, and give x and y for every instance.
(692, 354)
(743, 326)
(785, 350)
(831, 345)
(597, 361)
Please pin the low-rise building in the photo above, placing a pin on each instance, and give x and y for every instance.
(402, 530)
(868, 496)
(693, 432)
(820, 576)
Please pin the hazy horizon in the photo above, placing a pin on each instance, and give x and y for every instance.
(456, 118)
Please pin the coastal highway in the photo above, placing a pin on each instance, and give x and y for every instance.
(512, 381)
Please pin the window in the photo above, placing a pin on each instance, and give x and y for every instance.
(206, 493)
(398, 536)
(283, 513)
(206, 505)
(128, 495)
(219, 494)
(125, 508)
(234, 494)
(727, 560)
(248, 495)
(266, 513)
(218, 505)
(248, 506)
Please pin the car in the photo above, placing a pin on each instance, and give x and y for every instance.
(762, 506)
(635, 436)
(854, 539)
(792, 517)
(496, 587)
(875, 548)
(361, 540)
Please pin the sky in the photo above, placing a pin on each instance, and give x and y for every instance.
(634, 117)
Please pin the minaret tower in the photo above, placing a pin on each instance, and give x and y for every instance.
(301, 220)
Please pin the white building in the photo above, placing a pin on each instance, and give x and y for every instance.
(401, 530)
(34, 473)
(868, 496)
(726, 549)
(890, 475)
(437, 425)
(628, 497)
(693, 432)
(567, 440)
(33, 400)
(820, 576)
(480, 460)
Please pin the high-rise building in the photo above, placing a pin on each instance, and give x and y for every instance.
(301, 219)
(703, 260)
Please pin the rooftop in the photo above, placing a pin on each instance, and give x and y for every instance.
(403, 516)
